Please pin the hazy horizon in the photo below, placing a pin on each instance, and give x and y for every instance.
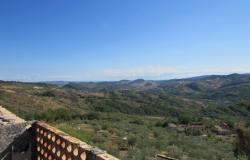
(132, 79)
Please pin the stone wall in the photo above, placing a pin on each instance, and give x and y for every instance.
(16, 141)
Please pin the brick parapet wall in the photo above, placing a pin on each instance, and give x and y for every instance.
(53, 144)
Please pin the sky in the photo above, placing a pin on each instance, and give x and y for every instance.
(106, 40)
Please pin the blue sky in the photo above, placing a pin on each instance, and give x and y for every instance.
(94, 40)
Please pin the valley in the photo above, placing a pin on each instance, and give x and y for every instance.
(188, 119)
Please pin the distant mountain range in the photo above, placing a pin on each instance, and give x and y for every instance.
(210, 96)
(209, 81)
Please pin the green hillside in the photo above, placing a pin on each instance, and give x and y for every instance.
(130, 118)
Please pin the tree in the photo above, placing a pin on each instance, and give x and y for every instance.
(243, 141)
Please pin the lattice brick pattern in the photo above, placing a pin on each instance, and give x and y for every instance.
(53, 144)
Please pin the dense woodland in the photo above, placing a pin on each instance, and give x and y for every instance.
(189, 119)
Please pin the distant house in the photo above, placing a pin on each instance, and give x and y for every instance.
(181, 128)
(222, 129)
(172, 126)
(175, 127)
(195, 130)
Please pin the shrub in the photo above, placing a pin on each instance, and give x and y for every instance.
(132, 141)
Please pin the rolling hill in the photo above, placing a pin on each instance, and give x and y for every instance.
(129, 118)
